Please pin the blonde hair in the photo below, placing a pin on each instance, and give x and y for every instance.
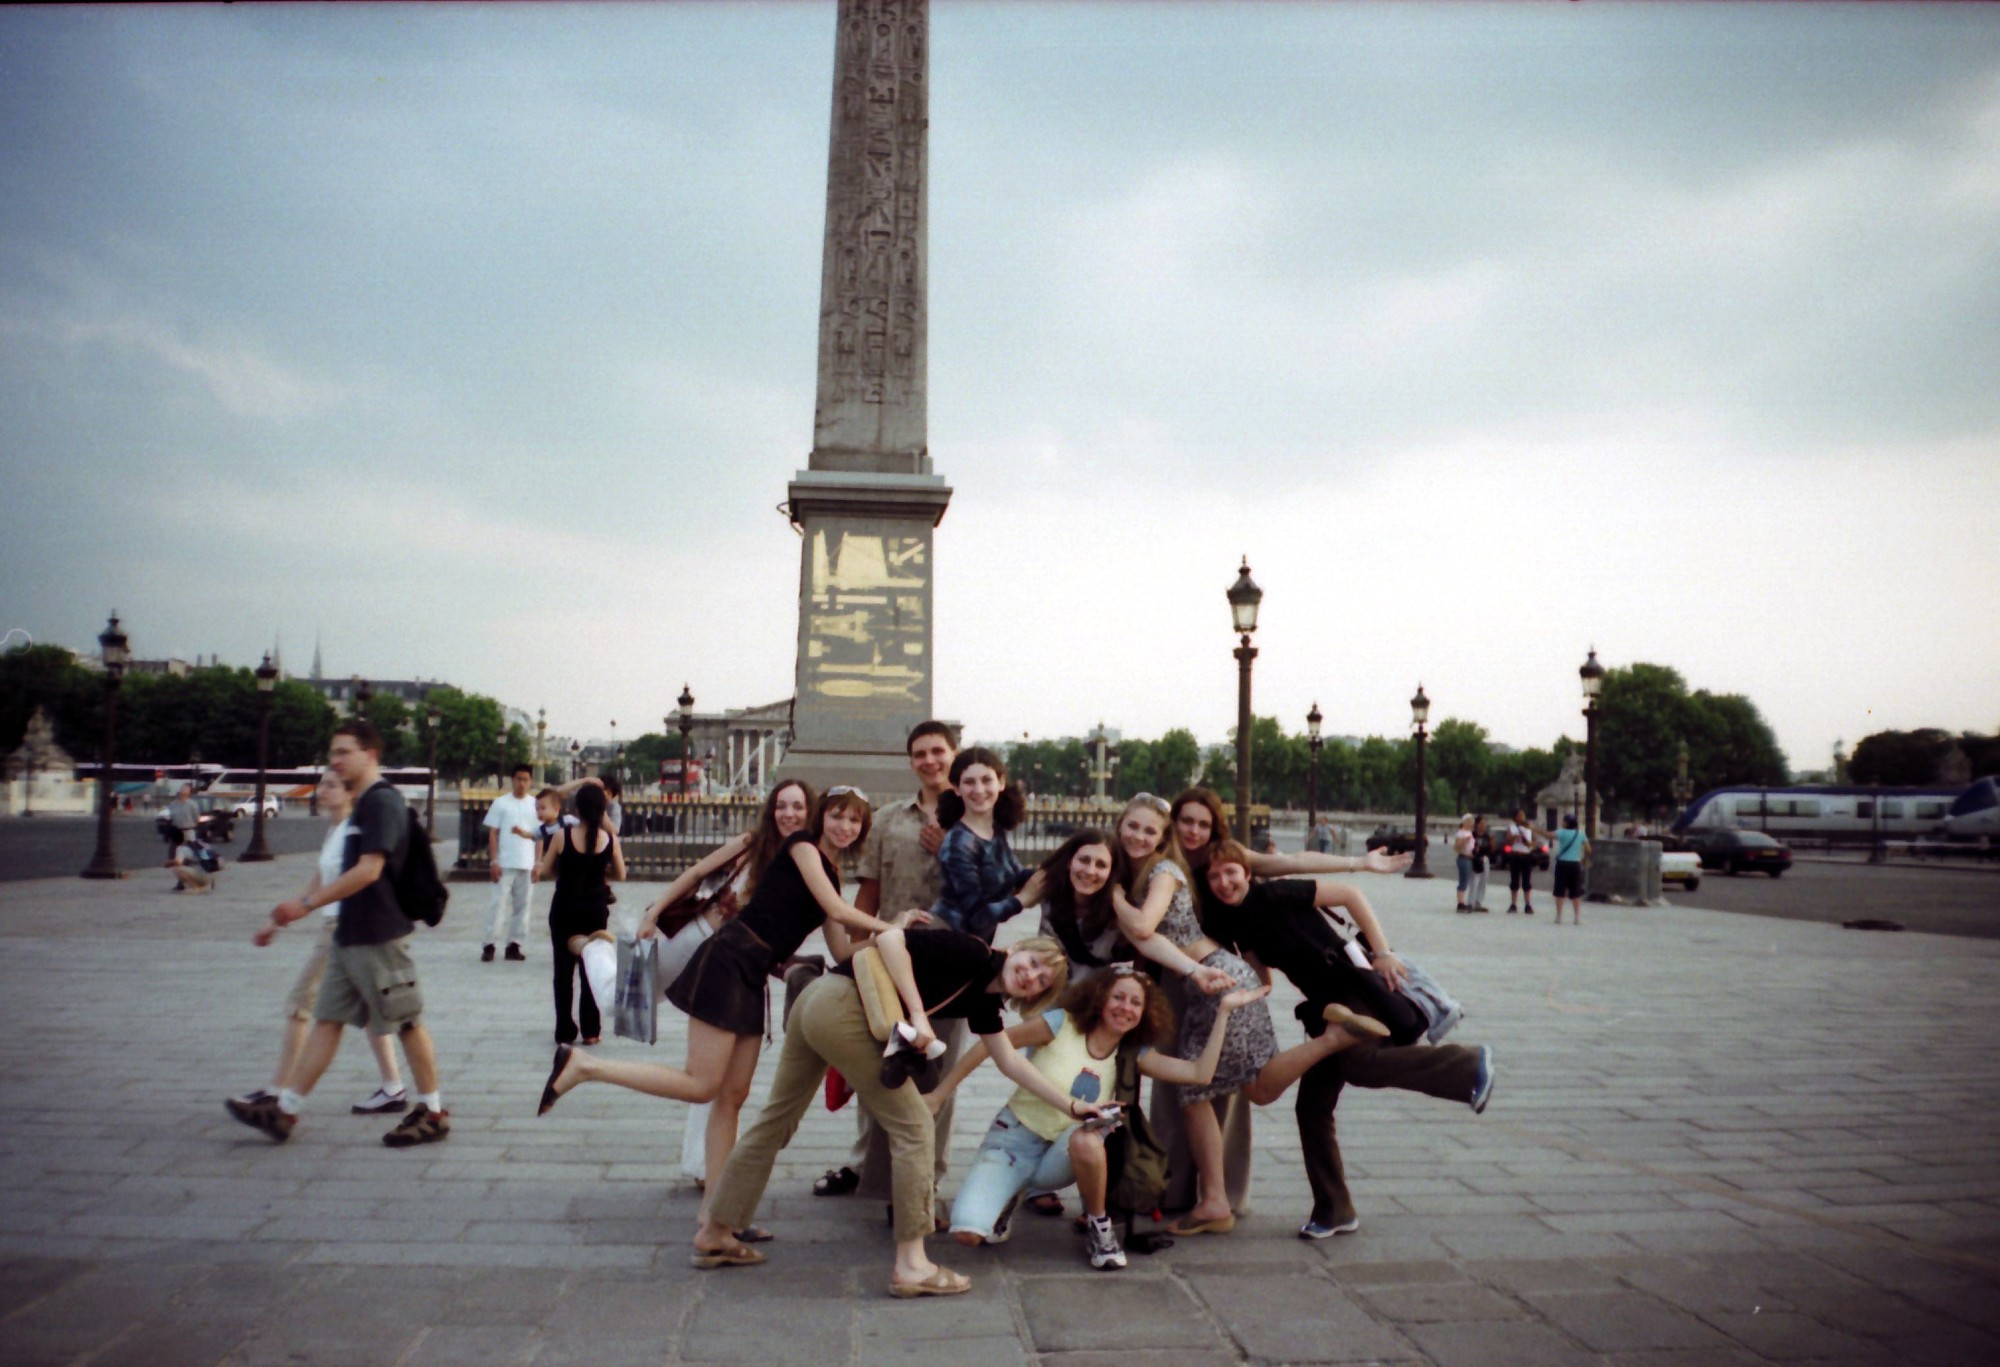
(1057, 959)
(1169, 848)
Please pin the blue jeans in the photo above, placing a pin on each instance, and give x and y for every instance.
(1011, 1159)
(1464, 875)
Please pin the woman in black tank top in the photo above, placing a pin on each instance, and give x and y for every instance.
(583, 857)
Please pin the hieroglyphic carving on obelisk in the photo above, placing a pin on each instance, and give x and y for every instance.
(868, 500)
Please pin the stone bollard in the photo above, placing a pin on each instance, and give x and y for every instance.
(1625, 871)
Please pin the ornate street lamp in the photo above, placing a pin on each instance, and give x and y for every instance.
(1592, 674)
(267, 682)
(685, 702)
(1244, 598)
(617, 755)
(112, 644)
(1420, 712)
(541, 736)
(364, 693)
(1313, 719)
(575, 760)
(1096, 739)
(434, 717)
(500, 753)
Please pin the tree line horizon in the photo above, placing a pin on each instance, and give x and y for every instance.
(1645, 712)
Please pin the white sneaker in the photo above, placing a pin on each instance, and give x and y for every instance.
(1105, 1250)
(382, 1101)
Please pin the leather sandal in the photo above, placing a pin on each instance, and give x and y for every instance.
(1186, 1226)
(942, 1282)
(754, 1234)
(736, 1256)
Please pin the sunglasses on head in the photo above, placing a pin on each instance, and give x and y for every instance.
(1158, 804)
(844, 790)
(1124, 970)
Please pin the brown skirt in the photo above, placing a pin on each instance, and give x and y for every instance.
(723, 984)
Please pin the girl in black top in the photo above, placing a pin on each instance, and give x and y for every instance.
(722, 987)
(582, 857)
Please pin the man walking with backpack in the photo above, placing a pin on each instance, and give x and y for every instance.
(370, 980)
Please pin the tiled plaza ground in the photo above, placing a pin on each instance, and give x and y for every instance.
(1716, 1138)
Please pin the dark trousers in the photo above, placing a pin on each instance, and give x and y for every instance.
(569, 977)
(1445, 1071)
(1521, 875)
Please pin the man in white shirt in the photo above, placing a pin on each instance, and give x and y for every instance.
(510, 850)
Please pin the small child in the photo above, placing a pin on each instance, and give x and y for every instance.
(549, 807)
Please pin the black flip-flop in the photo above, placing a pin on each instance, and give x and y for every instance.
(755, 1234)
(550, 1096)
(837, 1182)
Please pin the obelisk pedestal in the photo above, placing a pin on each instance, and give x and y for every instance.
(868, 501)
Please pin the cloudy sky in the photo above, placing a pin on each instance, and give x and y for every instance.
(479, 343)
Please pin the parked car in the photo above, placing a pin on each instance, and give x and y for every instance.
(1678, 861)
(1738, 851)
(1502, 847)
(246, 808)
(1394, 839)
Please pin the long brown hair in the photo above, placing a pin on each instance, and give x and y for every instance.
(1079, 920)
(1086, 1000)
(764, 845)
(1169, 849)
(1205, 797)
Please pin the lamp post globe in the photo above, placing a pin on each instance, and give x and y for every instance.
(1313, 740)
(1420, 713)
(1592, 674)
(267, 682)
(116, 653)
(1244, 600)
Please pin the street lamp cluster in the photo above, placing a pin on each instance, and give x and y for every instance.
(1592, 675)
(1244, 599)
(116, 653)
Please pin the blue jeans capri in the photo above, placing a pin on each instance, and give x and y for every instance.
(1012, 1159)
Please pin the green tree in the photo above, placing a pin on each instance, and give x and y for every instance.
(1176, 761)
(47, 676)
(1898, 758)
(1460, 757)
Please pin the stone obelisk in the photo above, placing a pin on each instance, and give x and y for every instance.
(868, 501)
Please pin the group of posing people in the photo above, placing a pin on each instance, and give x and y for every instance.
(1476, 850)
(1157, 944)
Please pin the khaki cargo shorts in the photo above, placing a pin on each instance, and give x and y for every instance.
(374, 986)
(305, 992)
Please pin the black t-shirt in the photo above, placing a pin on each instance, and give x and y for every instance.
(952, 970)
(782, 910)
(1277, 922)
(381, 821)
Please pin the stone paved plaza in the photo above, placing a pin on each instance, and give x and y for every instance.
(1715, 1139)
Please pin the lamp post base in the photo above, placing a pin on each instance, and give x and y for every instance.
(101, 869)
(257, 853)
(1418, 871)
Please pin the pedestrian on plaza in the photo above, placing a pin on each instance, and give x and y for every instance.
(583, 859)
(899, 870)
(723, 987)
(1521, 838)
(370, 980)
(702, 900)
(1461, 847)
(614, 808)
(1199, 821)
(939, 974)
(510, 853)
(1032, 1145)
(1572, 848)
(1482, 856)
(194, 866)
(331, 797)
(180, 821)
(1282, 923)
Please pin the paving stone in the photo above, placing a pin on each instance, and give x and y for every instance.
(1296, 1319)
(1504, 1344)
(1611, 1322)
(1399, 1274)
(1779, 1336)
(1406, 1305)
(1134, 1312)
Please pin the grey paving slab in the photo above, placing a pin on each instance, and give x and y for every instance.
(1675, 1170)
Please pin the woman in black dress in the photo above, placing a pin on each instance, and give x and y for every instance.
(582, 857)
(722, 987)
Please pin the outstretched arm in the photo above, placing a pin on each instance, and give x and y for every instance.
(1195, 1072)
(728, 852)
(1029, 1034)
(1308, 863)
(1348, 897)
(1141, 927)
(807, 857)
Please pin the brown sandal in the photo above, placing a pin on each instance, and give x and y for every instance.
(734, 1256)
(942, 1282)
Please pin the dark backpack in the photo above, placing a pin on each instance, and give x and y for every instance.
(419, 891)
(1138, 1164)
